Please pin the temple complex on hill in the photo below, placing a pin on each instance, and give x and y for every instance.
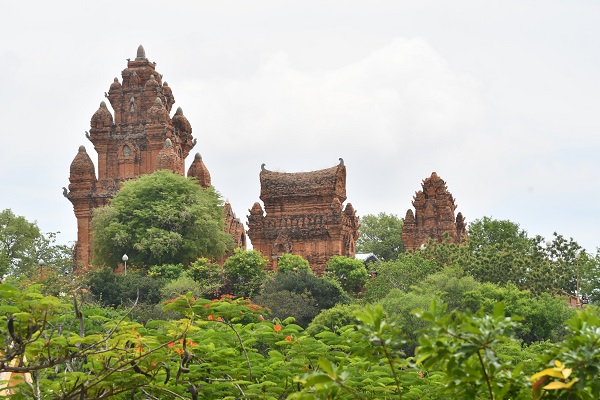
(304, 215)
(433, 216)
(140, 139)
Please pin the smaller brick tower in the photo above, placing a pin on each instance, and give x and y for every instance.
(434, 215)
(304, 216)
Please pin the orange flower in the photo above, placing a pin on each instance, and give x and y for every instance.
(211, 317)
(219, 319)
(277, 328)
(288, 338)
(171, 345)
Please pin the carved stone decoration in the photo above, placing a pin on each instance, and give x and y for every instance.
(434, 215)
(304, 216)
(140, 139)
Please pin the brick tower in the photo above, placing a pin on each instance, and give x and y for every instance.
(434, 215)
(304, 216)
(141, 138)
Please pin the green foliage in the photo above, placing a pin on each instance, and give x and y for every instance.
(543, 315)
(588, 269)
(333, 319)
(365, 363)
(381, 235)
(349, 272)
(500, 252)
(225, 348)
(301, 295)
(399, 306)
(244, 273)
(162, 218)
(22, 246)
(462, 346)
(180, 286)
(113, 290)
(573, 366)
(17, 236)
(489, 232)
(407, 270)
(166, 271)
(208, 275)
(294, 263)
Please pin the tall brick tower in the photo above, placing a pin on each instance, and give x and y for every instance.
(141, 138)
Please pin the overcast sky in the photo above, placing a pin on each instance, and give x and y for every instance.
(500, 98)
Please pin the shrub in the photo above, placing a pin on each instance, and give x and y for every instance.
(244, 273)
(293, 263)
(349, 272)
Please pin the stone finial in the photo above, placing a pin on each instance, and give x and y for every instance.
(168, 144)
(341, 161)
(165, 83)
(198, 157)
(179, 111)
(262, 167)
(116, 85)
(82, 168)
(102, 118)
(141, 53)
(158, 101)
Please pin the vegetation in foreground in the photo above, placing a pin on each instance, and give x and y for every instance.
(487, 320)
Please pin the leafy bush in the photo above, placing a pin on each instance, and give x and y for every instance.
(333, 319)
(244, 273)
(180, 286)
(113, 290)
(407, 270)
(209, 275)
(166, 271)
(293, 263)
(300, 295)
(349, 272)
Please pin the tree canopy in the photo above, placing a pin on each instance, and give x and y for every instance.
(381, 235)
(17, 236)
(161, 218)
(23, 246)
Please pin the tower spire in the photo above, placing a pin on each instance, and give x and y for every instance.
(141, 53)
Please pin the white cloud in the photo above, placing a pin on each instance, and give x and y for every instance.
(401, 95)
